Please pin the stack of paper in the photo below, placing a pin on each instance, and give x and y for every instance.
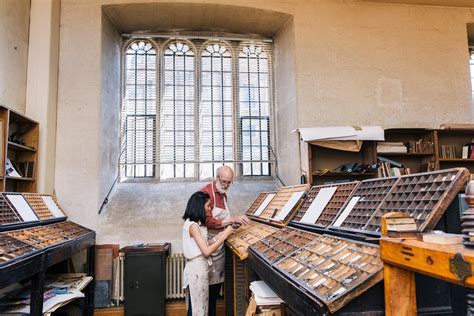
(60, 289)
(264, 295)
(391, 147)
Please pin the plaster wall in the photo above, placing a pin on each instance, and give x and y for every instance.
(286, 109)
(14, 26)
(42, 85)
(110, 108)
(353, 63)
(151, 212)
(389, 65)
(79, 111)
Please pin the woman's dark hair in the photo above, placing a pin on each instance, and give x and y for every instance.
(195, 210)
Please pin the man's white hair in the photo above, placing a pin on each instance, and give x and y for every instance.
(221, 168)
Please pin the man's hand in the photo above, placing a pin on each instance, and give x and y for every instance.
(241, 220)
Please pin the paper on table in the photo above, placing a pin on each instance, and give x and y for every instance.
(22, 207)
(346, 211)
(318, 205)
(264, 204)
(52, 206)
(295, 197)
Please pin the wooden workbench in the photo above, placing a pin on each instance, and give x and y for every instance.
(403, 257)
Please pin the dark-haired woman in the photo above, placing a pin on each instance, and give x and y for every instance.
(197, 249)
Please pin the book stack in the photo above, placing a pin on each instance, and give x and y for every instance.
(391, 147)
(447, 152)
(467, 151)
(390, 168)
(398, 227)
(423, 146)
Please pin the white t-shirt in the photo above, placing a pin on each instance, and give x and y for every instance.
(190, 248)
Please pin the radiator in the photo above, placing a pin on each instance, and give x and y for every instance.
(174, 277)
(117, 289)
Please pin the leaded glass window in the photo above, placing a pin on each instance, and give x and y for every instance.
(216, 126)
(177, 128)
(139, 111)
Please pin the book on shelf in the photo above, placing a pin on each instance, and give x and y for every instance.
(467, 151)
(447, 152)
(390, 168)
(391, 147)
(420, 146)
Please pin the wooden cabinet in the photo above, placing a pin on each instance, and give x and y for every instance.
(20, 136)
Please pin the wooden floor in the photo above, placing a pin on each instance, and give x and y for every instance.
(174, 308)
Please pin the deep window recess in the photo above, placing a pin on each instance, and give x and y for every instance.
(214, 107)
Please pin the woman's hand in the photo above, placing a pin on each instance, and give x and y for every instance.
(228, 231)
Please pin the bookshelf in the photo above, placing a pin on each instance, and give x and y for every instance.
(19, 147)
(323, 164)
(419, 143)
(454, 139)
(423, 152)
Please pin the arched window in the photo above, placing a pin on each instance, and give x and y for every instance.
(254, 111)
(138, 121)
(177, 112)
(192, 105)
(216, 119)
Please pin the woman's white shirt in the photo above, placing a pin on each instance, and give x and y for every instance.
(190, 247)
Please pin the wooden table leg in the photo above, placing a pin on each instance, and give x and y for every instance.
(400, 294)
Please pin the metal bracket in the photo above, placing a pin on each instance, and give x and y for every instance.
(460, 267)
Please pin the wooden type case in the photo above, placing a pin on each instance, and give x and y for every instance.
(40, 237)
(8, 214)
(331, 269)
(425, 196)
(11, 249)
(334, 206)
(371, 193)
(70, 230)
(37, 204)
(281, 243)
(248, 235)
(258, 201)
(278, 203)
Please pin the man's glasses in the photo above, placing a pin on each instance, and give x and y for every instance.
(224, 182)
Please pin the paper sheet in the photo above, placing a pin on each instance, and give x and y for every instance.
(264, 204)
(22, 207)
(318, 205)
(264, 295)
(295, 197)
(52, 206)
(342, 133)
(346, 211)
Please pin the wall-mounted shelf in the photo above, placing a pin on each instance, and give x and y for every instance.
(19, 145)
